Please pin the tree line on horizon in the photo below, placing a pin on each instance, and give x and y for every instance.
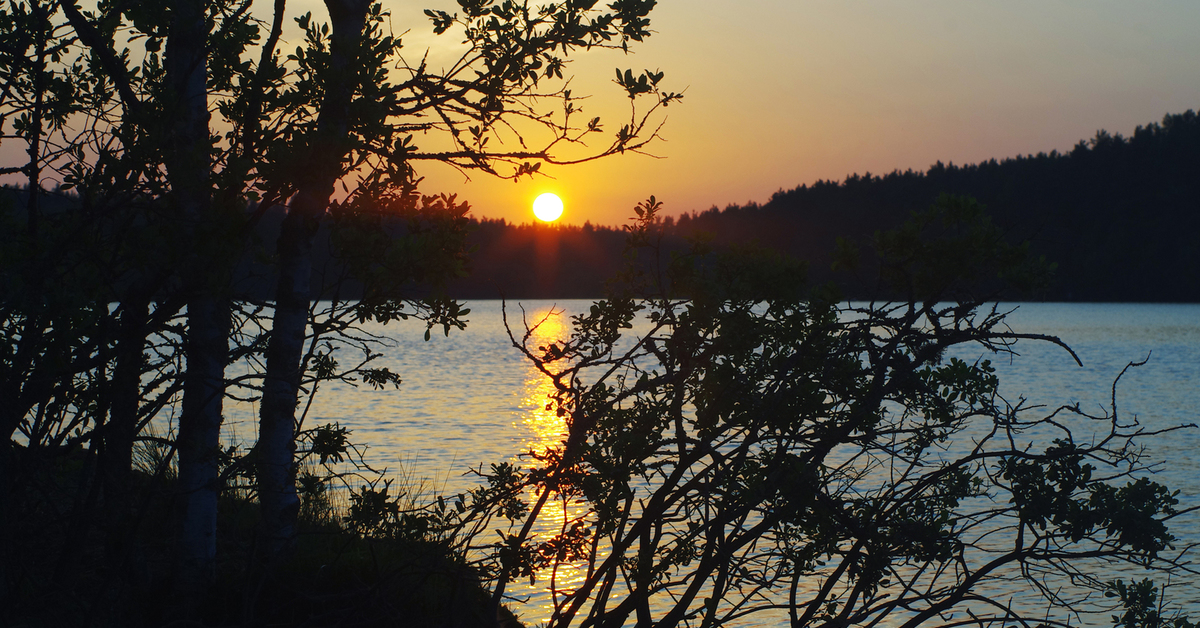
(1116, 214)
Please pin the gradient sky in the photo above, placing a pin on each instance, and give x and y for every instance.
(780, 93)
(785, 92)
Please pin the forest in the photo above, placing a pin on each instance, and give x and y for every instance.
(1116, 214)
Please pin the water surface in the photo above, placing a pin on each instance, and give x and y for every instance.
(471, 398)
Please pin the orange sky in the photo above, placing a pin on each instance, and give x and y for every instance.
(785, 92)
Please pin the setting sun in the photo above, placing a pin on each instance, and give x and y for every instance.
(548, 207)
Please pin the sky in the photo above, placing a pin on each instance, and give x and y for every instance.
(780, 93)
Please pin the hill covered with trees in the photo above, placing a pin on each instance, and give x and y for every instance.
(1118, 215)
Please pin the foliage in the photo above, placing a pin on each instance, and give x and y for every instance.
(1143, 606)
(755, 446)
(86, 92)
(181, 134)
(375, 513)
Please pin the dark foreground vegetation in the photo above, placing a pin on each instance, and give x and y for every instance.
(357, 561)
(1116, 214)
(758, 439)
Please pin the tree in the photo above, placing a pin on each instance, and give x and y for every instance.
(190, 125)
(758, 446)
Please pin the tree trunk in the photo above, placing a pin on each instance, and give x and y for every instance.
(121, 430)
(207, 345)
(277, 422)
(11, 387)
(199, 439)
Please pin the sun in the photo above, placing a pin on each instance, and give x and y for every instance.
(548, 207)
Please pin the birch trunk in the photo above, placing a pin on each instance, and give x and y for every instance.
(207, 347)
(277, 421)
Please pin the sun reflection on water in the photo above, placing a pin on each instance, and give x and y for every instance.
(547, 432)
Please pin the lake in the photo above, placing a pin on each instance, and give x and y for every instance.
(471, 399)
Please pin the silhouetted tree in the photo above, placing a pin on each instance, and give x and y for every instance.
(741, 443)
(178, 126)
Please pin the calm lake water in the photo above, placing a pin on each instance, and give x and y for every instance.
(471, 399)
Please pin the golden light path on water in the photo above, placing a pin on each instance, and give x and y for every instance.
(547, 432)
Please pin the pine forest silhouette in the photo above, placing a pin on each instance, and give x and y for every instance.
(1116, 214)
